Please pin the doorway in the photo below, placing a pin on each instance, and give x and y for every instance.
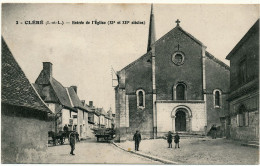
(180, 120)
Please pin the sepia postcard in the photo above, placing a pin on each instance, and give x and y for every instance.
(130, 83)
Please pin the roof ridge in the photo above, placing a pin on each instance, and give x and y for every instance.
(40, 98)
(67, 90)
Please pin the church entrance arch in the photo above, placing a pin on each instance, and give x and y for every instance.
(181, 119)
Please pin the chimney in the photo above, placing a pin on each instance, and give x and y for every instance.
(91, 103)
(47, 68)
(75, 88)
(83, 102)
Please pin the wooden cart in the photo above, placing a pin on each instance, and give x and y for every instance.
(106, 134)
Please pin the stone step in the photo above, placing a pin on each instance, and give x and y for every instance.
(253, 142)
(250, 145)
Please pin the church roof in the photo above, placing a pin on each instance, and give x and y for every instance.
(189, 35)
(251, 31)
(16, 88)
(209, 55)
(132, 63)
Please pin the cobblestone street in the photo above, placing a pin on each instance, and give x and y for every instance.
(92, 152)
(199, 151)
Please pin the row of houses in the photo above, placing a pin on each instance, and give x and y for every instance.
(30, 111)
(67, 108)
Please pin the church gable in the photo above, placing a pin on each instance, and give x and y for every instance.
(138, 75)
(178, 59)
(217, 74)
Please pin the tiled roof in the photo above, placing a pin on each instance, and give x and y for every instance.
(75, 99)
(58, 92)
(101, 111)
(16, 88)
(61, 93)
(88, 108)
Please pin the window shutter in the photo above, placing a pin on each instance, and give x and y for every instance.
(246, 118)
(237, 119)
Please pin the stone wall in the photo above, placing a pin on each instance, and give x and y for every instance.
(165, 113)
(250, 132)
(141, 119)
(215, 113)
(169, 74)
(23, 140)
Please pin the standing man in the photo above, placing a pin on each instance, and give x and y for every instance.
(72, 139)
(214, 131)
(169, 139)
(65, 128)
(137, 139)
(177, 140)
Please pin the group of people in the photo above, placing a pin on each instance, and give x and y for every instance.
(137, 139)
(176, 140)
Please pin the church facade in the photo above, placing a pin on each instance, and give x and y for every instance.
(176, 86)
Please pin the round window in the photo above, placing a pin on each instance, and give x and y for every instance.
(178, 58)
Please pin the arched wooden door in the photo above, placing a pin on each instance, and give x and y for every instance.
(180, 120)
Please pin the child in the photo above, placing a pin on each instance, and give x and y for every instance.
(169, 139)
(177, 140)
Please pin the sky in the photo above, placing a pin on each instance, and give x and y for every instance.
(83, 55)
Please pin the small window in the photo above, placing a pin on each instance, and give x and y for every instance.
(140, 94)
(217, 98)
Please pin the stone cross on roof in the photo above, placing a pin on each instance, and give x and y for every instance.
(178, 22)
